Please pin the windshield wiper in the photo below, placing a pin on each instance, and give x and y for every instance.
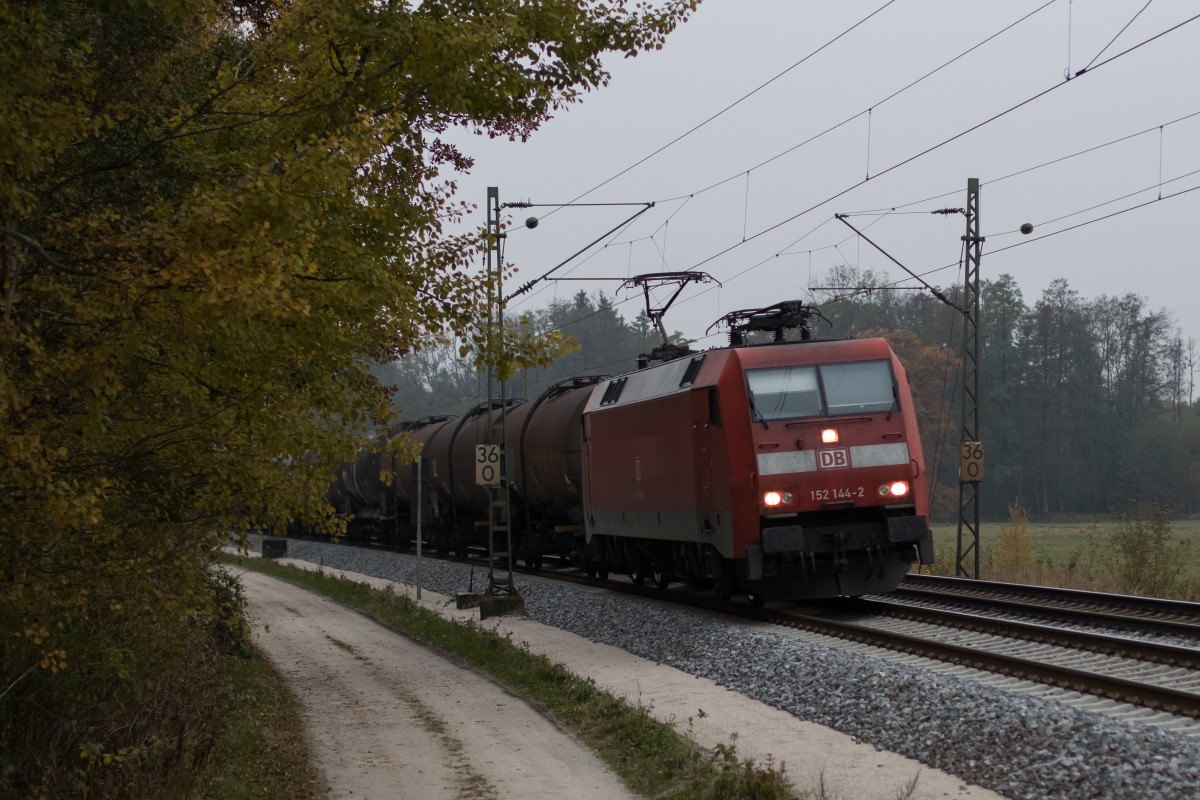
(758, 417)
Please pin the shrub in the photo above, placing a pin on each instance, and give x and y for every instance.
(1139, 555)
(1014, 547)
(122, 705)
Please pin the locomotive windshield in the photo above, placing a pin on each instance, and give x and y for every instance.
(861, 387)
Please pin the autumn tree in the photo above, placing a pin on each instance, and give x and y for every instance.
(212, 217)
(1084, 403)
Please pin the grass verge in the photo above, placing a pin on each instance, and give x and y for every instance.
(651, 757)
(1090, 554)
(262, 753)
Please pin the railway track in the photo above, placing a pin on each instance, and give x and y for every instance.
(1141, 616)
(1154, 682)
(1129, 672)
(968, 625)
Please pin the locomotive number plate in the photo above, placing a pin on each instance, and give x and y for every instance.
(845, 493)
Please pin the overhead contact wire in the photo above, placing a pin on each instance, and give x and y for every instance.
(1044, 164)
(943, 143)
(853, 117)
(735, 103)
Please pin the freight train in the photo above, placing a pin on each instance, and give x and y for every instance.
(784, 470)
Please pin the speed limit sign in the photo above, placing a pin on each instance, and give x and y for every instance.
(487, 464)
(970, 468)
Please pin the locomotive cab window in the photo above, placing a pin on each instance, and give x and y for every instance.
(785, 392)
(862, 387)
(865, 387)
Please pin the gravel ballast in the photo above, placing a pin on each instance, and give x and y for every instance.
(1017, 745)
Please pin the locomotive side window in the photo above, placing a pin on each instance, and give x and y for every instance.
(714, 407)
(862, 387)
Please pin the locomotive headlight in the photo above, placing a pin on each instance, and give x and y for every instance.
(829, 435)
(772, 499)
(898, 488)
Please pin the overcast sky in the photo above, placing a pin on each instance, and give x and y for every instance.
(770, 235)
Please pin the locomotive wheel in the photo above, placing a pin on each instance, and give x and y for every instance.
(662, 580)
(602, 572)
(637, 578)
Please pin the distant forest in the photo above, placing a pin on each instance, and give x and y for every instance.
(1084, 403)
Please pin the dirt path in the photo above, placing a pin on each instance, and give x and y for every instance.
(389, 719)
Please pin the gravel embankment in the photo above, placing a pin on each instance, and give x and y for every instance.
(1016, 745)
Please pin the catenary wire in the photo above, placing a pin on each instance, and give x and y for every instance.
(993, 181)
(1110, 43)
(943, 143)
(935, 270)
(866, 111)
(734, 104)
(939, 145)
(1025, 242)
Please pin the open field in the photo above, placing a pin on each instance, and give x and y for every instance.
(1083, 554)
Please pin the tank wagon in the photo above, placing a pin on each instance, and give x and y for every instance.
(362, 492)
(785, 470)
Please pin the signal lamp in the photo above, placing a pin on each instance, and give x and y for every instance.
(898, 488)
(772, 499)
(829, 435)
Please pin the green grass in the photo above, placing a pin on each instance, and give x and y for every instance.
(651, 757)
(1063, 553)
(262, 754)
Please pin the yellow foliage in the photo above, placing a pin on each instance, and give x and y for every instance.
(1014, 546)
(209, 225)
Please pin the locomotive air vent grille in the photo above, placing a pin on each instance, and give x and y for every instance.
(613, 392)
(693, 369)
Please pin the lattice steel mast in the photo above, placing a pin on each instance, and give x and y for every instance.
(971, 449)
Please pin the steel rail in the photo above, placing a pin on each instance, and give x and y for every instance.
(1126, 690)
(1107, 644)
(1123, 689)
(1174, 617)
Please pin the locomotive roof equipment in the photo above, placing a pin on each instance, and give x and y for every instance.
(666, 351)
(788, 315)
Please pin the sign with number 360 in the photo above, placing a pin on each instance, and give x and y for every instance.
(487, 465)
(971, 466)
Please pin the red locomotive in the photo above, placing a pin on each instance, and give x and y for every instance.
(784, 470)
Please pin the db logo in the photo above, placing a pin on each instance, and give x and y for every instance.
(838, 458)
